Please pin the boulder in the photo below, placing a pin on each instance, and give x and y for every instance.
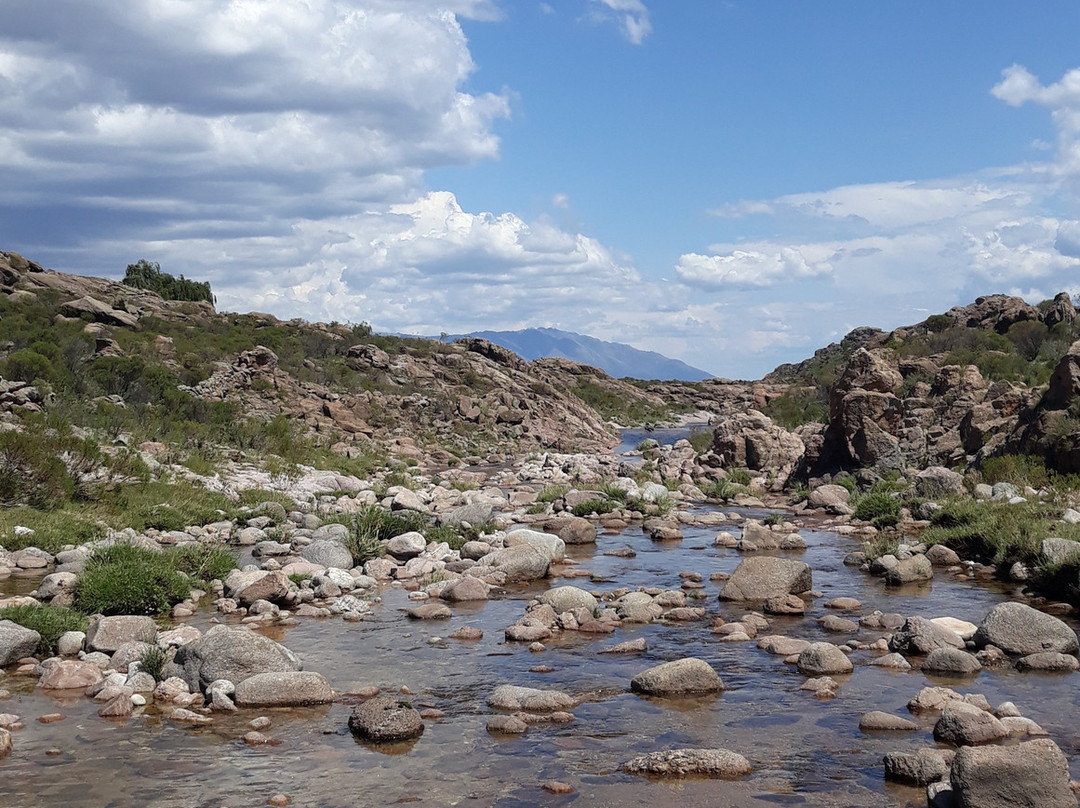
(464, 589)
(549, 544)
(70, 674)
(386, 719)
(1034, 774)
(227, 653)
(936, 482)
(683, 677)
(567, 598)
(514, 564)
(918, 768)
(1058, 551)
(1048, 661)
(965, 725)
(942, 556)
(1017, 628)
(751, 440)
(283, 689)
(823, 659)
(878, 721)
(951, 662)
(328, 553)
(572, 529)
(763, 577)
(107, 634)
(16, 642)
(407, 545)
(829, 497)
(529, 699)
(909, 570)
(921, 636)
(721, 763)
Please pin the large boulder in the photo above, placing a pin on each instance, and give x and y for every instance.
(920, 636)
(1016, 628)
(683, 677)
(1028, 775)
(909, 570)
(16, 642)
(385, 719)
(823, 659)
(548, 543)
(763, 577)
(232, 654)
(514, 564)
(751, 440)
(567, 598)
(70, 674)
(830, 497)
(283, 689)
(107, 634)
(963, 724)
(328, 553)
(572, 529)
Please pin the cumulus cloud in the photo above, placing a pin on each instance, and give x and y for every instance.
(631, 16)
(749, 267)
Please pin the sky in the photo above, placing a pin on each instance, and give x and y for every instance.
(732, 183)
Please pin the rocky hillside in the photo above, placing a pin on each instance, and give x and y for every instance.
(69, 340)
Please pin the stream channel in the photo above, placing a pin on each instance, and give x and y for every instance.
(804, 751)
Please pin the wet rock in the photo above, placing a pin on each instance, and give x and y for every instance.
(964, 725)
(963, 629)
(467, 633)
(182, 716)
(527, 629)
(283, 689)
(430, 611)
(951, 662)
(465, 589)
(835, 624)
(784, 604)
(1049, 661)
(843, 604)
(681, 677)
(721, 763)
(823, 687)
(629, 647)
(385, 719)
(894, 661)
(507, 725)
(516, 563)
(764, 577)
(70, 674)
(5, 743)
(227, 653)
(878, 721)
(557, 787)
(919, 768)
(780, 645)
(567, 598)
(910, 570)
(921, 636)
(16, 642)
(941, 556)
(823, 658)
(1029, 775)
(1016, 628)
(119, 707)
(530, 699)
(107, 634)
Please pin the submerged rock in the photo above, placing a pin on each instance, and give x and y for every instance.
(722, 763)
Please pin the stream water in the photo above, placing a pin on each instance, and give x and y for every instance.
(804, 751)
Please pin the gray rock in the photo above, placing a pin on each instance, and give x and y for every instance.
(829, 497)
(683, 677)
(70, 643)
(56, 583)
(283, 689)
(385, 719)
(530, 699)
(942, 556)
(920, 768)
(16, 642)
(937, 481)
(567, 598)
(474, 514)
(1049, 661)
(328, 553)
(407, 545)
(549, 544)
(466, 588)
(823, 658)
(572, 529)
(764, 577)
(921, 636)
(1016, 628)
(1029, 775)
(878, 721)
(721, 763)
(780, 645)
(226, 653)
(519, 563)
(107, 634)
(951, 662)
(963, 725)
(910, 570)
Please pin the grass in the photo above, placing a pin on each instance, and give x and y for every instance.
(48, 621)
(879, 508)
(594, 506)
(152, 661)
(552, 492)
(723, 490)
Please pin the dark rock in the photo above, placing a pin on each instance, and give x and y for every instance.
(386, 719)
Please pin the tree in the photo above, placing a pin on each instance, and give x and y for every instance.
(145, 274)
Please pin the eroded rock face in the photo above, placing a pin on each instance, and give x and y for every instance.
(1029, 775)
(764, 577)
(751, 440)
(1016, 628)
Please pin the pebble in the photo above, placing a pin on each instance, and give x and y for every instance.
(279, 800)
(51, 718)
(557, 787)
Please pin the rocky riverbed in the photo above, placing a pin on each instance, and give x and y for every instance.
(589, 733)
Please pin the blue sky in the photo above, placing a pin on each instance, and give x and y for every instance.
(734, 184)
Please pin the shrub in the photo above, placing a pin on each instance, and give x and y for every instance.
(48, 621)
(798, 406)
(740, 476)
(723, 489)
(124, 579)
(31, 472)
(701, 439)
(373, 525)
(27, 365)
(878, 508)
(594, 506)
(145, 274)
(152, 661)
(773, 519)
(612, 491)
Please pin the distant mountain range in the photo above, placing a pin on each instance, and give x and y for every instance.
(613, 358)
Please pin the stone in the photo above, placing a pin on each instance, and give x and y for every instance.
(720, 763)
(430, 611)
(894, 661)
(227, 653)
(283, 689)
(70, 643)
(823, 658)
(951, 662)
(1017, 628)
(941, 556)
(385, 719)
(407, 545)
(1058, 551)
(682, 677)
(909, 570)
(530, 699)
(835, 624)
(963, 725)
(567, 598)
(16, 642)
(780, 645)
(920, 768)
(877, 721)
(829, 497)
(763, 577)
(551, 545)
(823, 687)
(784, 604)
(465, 589)
(920, 636)
(1034, 774)
(107, 634)
(328, 553)
(963, 629)
(507, 725)
(628, 647)
(70, 674)
(936, 482)
(572, 529)
(5, 743)
(1048, 661)
(516, 564)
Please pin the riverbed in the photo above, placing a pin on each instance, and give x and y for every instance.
(804, 751)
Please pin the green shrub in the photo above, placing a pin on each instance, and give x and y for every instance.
(26, 365)
(123, 579)
(612, 491)
(798, 406)
(773, 519)
(701, 439)
(52, 529)
(723, 489)
(592, 506)
(373, 525)
(32, 472)
(48, 621)
(878, 508)
(148, 275)
(740, 476)
(152, 661)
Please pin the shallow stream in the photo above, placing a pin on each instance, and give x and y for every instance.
(804, 751)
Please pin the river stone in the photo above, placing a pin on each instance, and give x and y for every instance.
(227, 653)
(475, 514)
(1050, 661)
(1016, 628)
(920, 768)
(1058, 550)
(56, 583)
(386, 719)
(780, 645)
(107, 634)
(910, 570)
(549, 544)
(1034, 774)
(70, 674)
(951, 662)
(894, 661)
(5, 743)
(430, 611)
(784, 604)
(876, 721)
(920, 636)
(964, 630)
(328, 553)
(248, 586)
(507, 725)
(130, 652)
(963, 725)
(283, 689)
(823, 658)
(683, 677)
(572, 529)
(530, 699)
(70, 643)
(406, 545)
(464, 589)
(567, 598)
(763, 577)
(628, 647)
(721, 763)
(829, 497)
(942, 556)
(518, 563)
(16, 642)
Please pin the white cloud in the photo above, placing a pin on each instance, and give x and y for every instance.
(750, 267)
(631, 16)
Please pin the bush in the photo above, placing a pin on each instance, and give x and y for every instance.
(878, 508)
(373, 525)
(798, 406)
(550, 493)
(740, 476)
(723, 489)
(123, 579)
(31, 471)
(48, 621)
(594, 506)
(148, 275)
(701, 438)
(152, 661)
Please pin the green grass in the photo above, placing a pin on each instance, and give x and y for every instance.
(879, 508)
(48, 621)
(552, 492)
(798, 406)
(594, 506)
(723, 490)
(152, 661)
